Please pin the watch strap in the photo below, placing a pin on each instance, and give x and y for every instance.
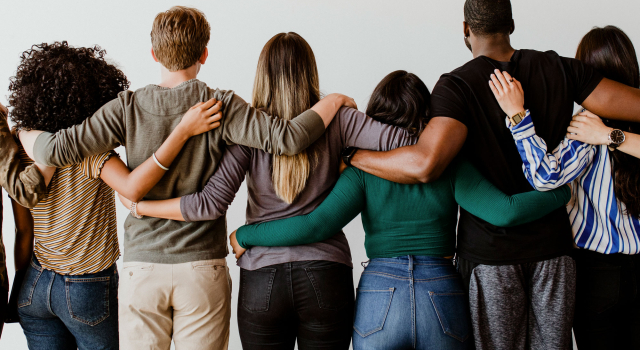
(347, 154)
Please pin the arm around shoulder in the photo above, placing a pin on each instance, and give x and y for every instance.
(423, 162)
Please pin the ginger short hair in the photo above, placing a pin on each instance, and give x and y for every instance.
(179, 37)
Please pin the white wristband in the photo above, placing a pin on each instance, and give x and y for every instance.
(158, 163)
(134, 210)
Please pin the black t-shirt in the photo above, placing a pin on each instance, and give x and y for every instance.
(551, 85)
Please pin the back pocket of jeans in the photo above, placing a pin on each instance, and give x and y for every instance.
(332, 283)
(256, 288)
(453, 313)
(372, 308)
(88, 299)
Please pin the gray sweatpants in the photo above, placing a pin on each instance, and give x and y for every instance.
(525, 306)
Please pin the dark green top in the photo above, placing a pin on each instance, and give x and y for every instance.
(406, 219)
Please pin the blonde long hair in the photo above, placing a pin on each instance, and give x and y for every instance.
(286, 85)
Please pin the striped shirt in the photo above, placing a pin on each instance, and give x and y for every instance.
(75, 225)
(599, 221)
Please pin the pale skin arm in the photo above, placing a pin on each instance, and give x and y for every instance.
(23, 247)
(589, 128)
(328, 107)
(163, 209)
(135, 184)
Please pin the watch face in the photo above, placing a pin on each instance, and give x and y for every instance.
(617, 136)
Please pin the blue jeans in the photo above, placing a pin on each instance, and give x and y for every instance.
(69, 312)
(411, 302)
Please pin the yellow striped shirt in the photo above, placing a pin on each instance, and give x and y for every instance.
(75, 225)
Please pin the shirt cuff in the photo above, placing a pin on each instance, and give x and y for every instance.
(524, 129)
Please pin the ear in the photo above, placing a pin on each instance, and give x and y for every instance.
(153, 54)
(513, 27)
(465, 29)
(204, 56)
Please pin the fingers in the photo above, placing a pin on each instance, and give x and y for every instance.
(509, 78)
(580, 118)
(588, 114)
(215, 108)
(518, 85)
(502, 79)
(573, 129)
(493, 89)
(572, 136)
(215, 118)
(576, 123)
(497, 84)
(208, 104)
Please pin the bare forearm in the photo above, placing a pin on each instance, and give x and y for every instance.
(631, 145)
(328, 107)
(423, 162)
(164, 209)
(614, 100)
(23, 247)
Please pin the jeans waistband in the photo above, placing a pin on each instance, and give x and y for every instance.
(108, 271)
(411, 260)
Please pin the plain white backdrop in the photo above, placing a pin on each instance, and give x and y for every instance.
(356, 43)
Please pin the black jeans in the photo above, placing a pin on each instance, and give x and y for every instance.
(607, 301)
(311, 301)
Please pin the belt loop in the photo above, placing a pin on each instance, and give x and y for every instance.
(365, 263)
(410, 262)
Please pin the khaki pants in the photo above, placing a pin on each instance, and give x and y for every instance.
(189, 301)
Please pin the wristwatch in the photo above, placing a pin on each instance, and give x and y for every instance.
(616, 138)
(517, 118)
(347, 154)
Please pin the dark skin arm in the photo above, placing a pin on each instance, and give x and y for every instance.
(23, 247)
(423, 162)
(613, 100)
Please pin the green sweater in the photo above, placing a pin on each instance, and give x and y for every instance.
(406, 219)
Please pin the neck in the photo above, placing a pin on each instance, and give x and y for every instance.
(497, 47)
(170, 79)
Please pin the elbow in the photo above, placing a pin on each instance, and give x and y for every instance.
(425, 171)
(133, 195)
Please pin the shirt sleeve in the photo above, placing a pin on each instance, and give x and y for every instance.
(480, 197)
(448, 100)
(546, 171)
(214, 199)
(249, 126)
(92, 167)
(359, 130)
(22, 180)
(345, 202)
(102, 132)
(583, 78)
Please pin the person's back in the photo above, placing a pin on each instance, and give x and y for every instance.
(552, 84)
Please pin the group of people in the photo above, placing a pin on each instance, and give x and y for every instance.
(483, 230)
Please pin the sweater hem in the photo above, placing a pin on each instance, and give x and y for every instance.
(163, 258)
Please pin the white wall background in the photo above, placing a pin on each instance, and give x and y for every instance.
(356, 43)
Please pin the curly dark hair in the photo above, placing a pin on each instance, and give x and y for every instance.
(57, 86)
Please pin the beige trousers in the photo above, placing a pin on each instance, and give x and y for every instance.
(189, 301)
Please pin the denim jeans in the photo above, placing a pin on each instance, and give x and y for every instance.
(307, 301)
(69, 312)
(411, 302)
(607, 301)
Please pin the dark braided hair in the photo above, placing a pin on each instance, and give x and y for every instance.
(57, 86)
(610, 51)
(487, 17)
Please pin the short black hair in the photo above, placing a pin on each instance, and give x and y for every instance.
(401, 99)
(57, 86)
(487, 17)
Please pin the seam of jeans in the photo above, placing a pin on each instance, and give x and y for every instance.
(431, 294)
(267, 299)
(33, 288)
(386, 275)
(384, 319)
(83, 280)
(373, 261)
(106, 301)
(33, 264)
(53, 278)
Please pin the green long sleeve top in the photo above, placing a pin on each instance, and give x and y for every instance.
(402, 219)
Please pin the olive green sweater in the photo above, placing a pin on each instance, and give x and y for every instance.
(141, 121)
(404, 220)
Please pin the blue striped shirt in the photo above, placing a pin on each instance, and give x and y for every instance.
(598, 219)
